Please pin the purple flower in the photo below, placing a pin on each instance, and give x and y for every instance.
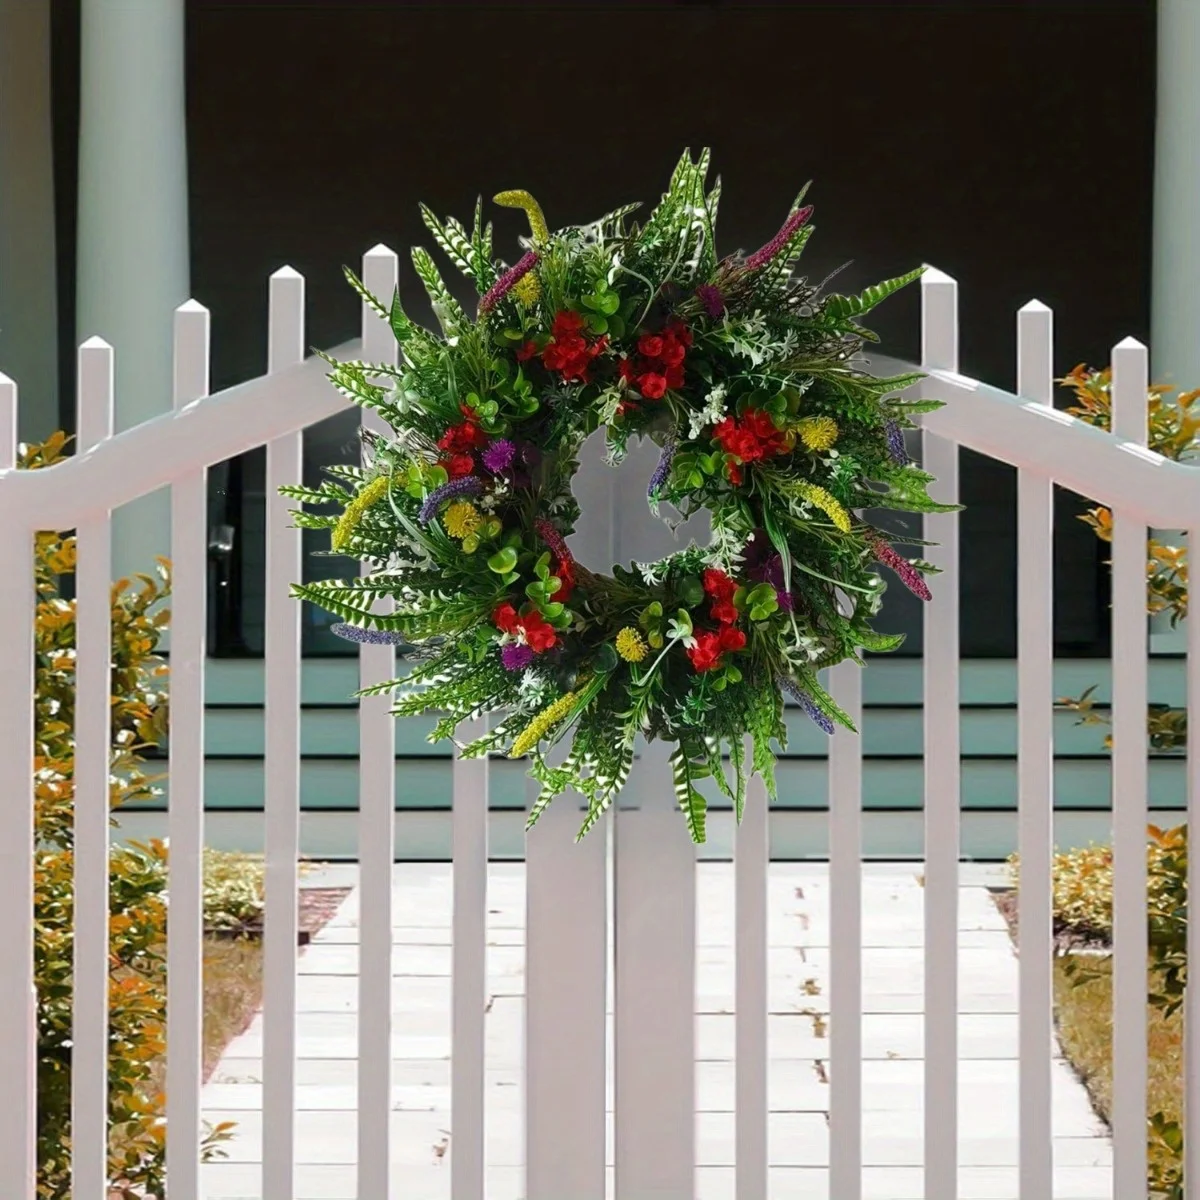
(507, 281)
(785, 600)
(515, 656)
(805, 701)
(895, 442)
(664, 465)
(499, 455)
(711, 297)
(369, 637)
(905, 571)
(762, 256)
(465, 485)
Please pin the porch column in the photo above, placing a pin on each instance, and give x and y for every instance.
(28, 269)
(133, 222)
(1175, 281)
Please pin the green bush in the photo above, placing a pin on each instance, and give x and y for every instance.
(137, 991)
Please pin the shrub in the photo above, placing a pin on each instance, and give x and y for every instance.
(137, 992)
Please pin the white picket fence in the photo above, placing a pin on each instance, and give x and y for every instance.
(653, 877)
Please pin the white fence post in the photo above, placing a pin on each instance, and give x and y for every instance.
(18, 1000)
(281, 765)
(846, 940)
(566, 966)
(189, 618)
(939, 349)
(376, 818)
(751, 1001)
(1035, 712)
(1130, 780)
(93, 740)
(1191, 998)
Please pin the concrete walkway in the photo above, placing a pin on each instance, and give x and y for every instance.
(798, 1029)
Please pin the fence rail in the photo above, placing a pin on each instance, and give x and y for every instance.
(648, 905)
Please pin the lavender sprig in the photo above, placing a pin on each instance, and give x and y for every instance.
(368, 637)
(905, 571)
(895, 442)
(762, 256)
(713, 300)
(805, 701)
(508, 281)
(664, 466)
(465, 485)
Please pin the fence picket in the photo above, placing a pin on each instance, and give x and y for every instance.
(654, 892)
(468, 970)
(750, 1004)
(845, 940)
(281, 767)
(189, 618)
(376, 819)
(18, 999)
(93, 739)
(939, 349)
(1035, 696)
(1130, 780)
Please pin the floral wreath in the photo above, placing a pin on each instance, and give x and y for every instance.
(750, 381)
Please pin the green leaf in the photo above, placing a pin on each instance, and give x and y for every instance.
(839, 308)
(503, 561)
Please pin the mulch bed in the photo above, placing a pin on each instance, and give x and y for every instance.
(1067, 939)
(316, 909)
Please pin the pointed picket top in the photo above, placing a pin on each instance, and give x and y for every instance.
(286, 272)
(1129, 343)
(191, 306)
(933, 276)
(1034, 306)
(95, 342)
(1130, 379)
(1035, 353)
(379, 250)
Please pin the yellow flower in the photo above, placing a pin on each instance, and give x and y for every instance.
(818, 433)
(630, 645)
(519, 198)
(825, 502)
(527, 289)
(462, 519)
(542, 724)
(354, 510)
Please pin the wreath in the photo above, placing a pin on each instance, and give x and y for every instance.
(750, 381)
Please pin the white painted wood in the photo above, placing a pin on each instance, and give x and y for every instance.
(282, 760)
(750, 991)
(1035, 710)
(93, 741)
(1191, 999)
(845, 939)
(566, 985)
(939, 350)
(468, 969)
(376, 818)
(189, 620)
(1130, 780)
(654, 892)
(566, 963)
(18, 1001)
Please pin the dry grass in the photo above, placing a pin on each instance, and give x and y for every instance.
(1085, 1030)
(233, 970)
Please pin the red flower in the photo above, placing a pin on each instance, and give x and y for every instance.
(565, 571)
(718, 585)
(526, 352)
(465, 436)
(569, 352)
(724, 611)
(673, 353)
(652, 386)
(566, 323)
(705, 655)
(505, 618)
(731, 639)
(679, 331)
(626, 372)
(458, 464)
(734, 473)
(674, 377)
(649, 345)
(539, 634)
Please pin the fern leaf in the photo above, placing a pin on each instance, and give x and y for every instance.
(840, 308)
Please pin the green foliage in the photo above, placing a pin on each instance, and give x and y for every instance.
(750, 381)
(137, 883)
